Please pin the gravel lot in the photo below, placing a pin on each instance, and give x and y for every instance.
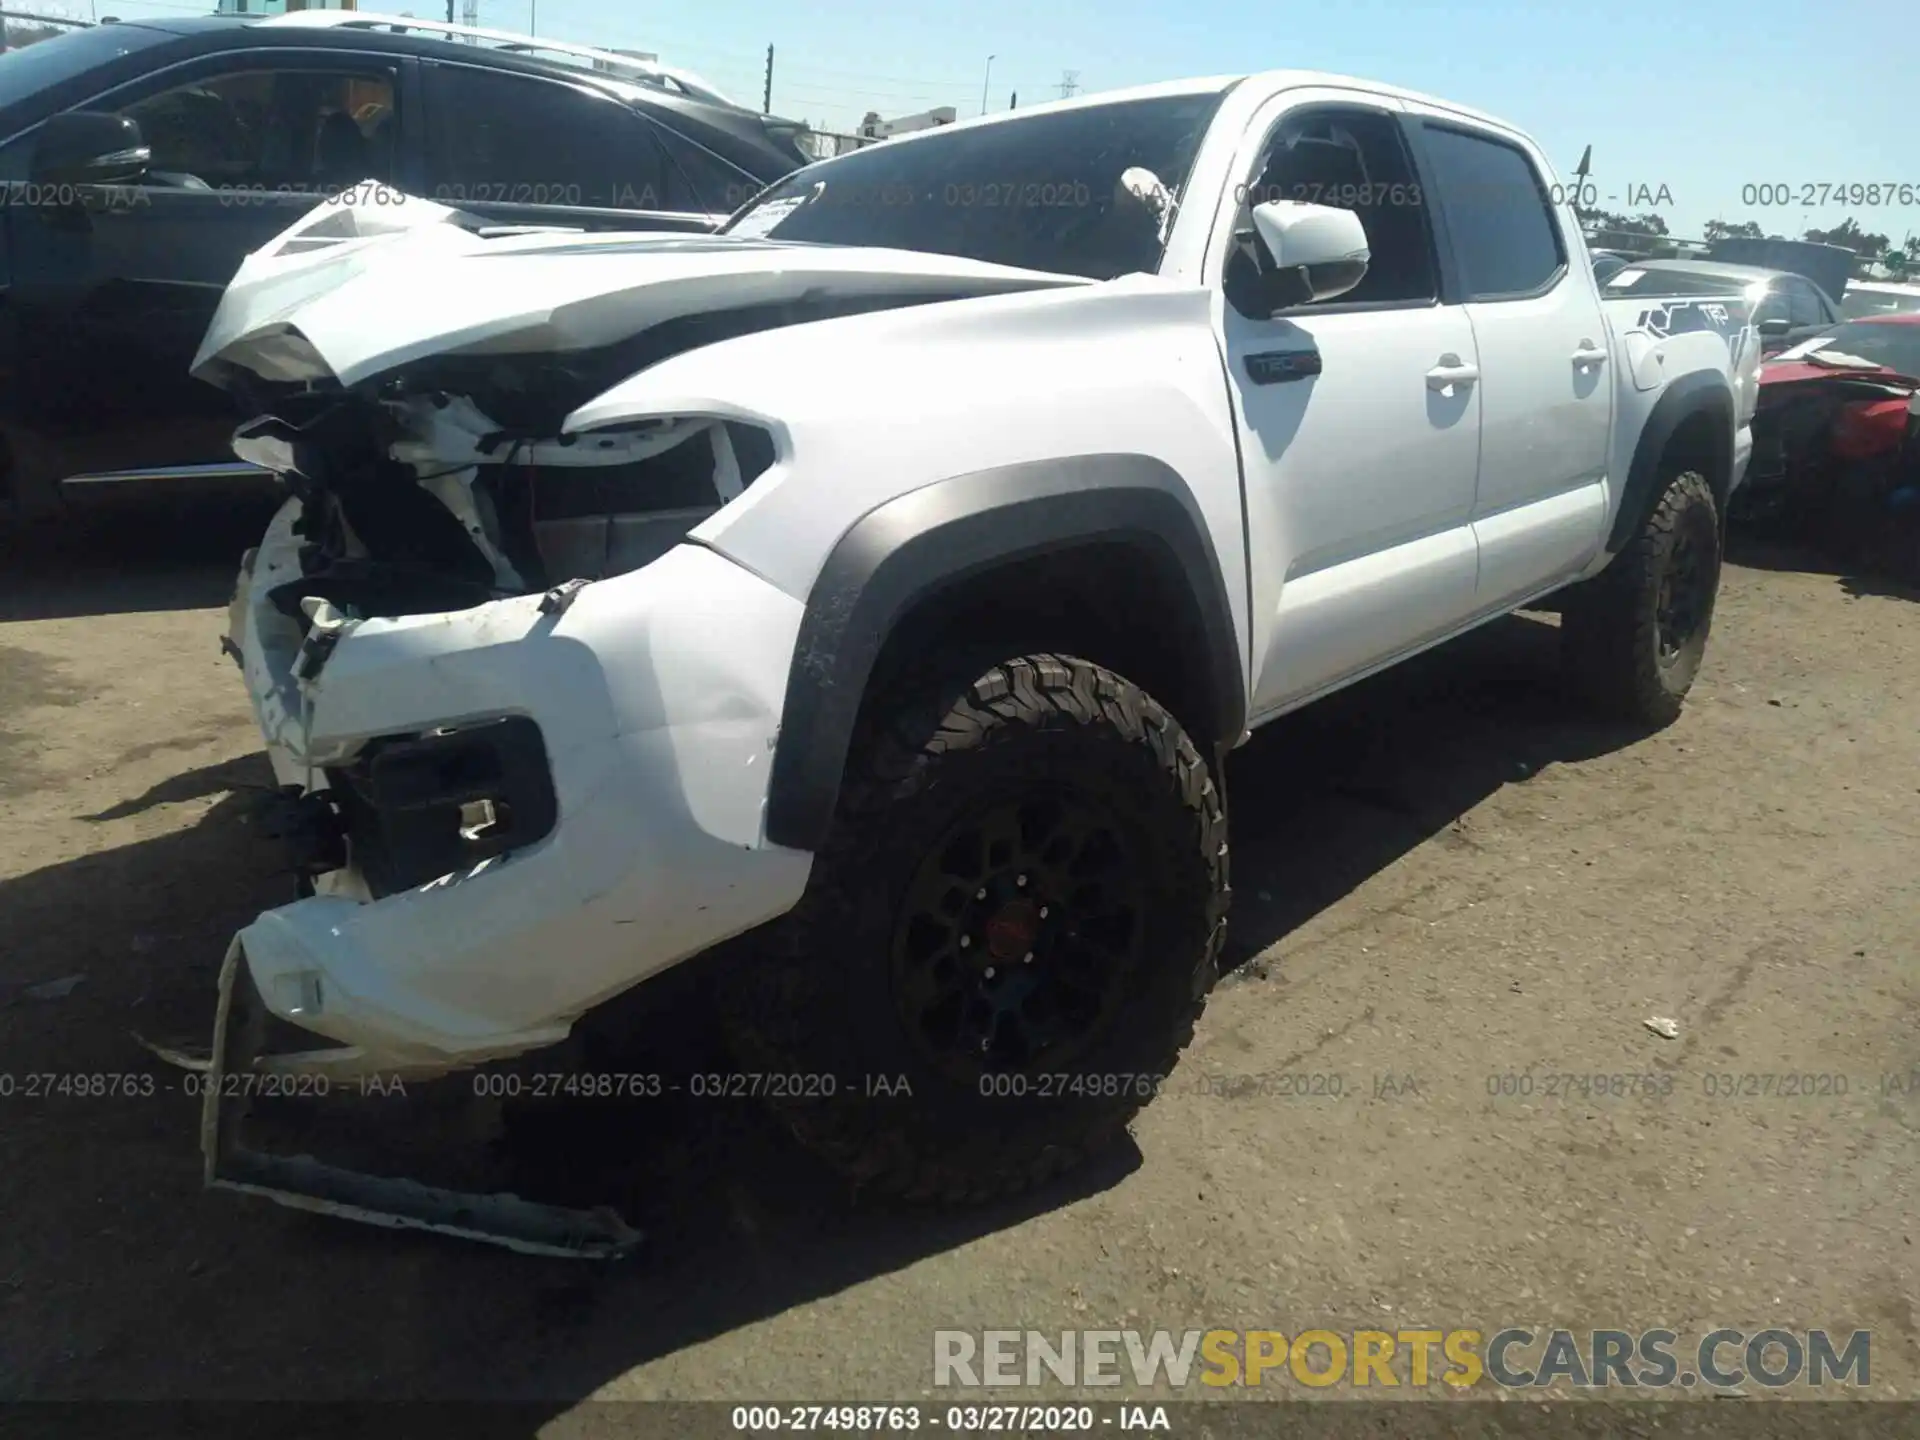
(1445, 877)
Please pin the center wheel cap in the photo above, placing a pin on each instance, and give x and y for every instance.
(1012, 930)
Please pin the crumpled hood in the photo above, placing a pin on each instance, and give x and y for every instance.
(1789, 372)
(357, 287)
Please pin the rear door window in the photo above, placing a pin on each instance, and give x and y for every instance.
(522, 140)
(1498, 216)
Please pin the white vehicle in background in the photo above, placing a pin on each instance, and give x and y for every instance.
(1868, 299)
(884, 582)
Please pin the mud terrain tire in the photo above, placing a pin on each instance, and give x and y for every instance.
(1632, 637)
(1007, 938)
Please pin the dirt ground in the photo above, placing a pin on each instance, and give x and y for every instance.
(1445, 877)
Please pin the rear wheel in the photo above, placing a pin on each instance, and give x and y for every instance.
(1007, 938)
(1633, 636)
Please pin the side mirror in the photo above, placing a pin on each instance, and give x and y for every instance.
(1316, 251)
(83, 147)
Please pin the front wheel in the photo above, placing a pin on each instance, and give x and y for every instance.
(1006, 939)
(1633, 636)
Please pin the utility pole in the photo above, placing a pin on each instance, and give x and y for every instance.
(450, 12)
(1069, 82)
(766, 98)
(984, 83)
(1013, 99)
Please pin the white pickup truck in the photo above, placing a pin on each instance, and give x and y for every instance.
(884, 580)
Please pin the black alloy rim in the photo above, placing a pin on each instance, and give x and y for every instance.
(1686, 590)
(1020, 932)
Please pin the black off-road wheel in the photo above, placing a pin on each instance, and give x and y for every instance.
(1634, 635)
(1006, 940)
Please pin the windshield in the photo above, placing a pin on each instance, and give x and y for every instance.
(1068, 191)
(34, 67)
(1891, 345)
(1862, 304)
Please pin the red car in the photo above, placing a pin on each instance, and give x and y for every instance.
(1836, 456)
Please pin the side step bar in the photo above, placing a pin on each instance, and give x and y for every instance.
(304, 1183)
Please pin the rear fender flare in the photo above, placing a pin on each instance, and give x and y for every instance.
(1702, 392)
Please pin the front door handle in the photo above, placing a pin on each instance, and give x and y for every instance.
(1589, 354)
(1451, 371)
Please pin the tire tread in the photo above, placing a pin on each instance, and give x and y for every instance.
(889, 766)
(1610, 624)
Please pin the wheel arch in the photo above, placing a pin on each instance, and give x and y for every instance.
(1094, 546)
(1690, 425)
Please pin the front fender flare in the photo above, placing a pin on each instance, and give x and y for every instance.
(903, 551)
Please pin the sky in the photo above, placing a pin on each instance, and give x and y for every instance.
(1736, 109)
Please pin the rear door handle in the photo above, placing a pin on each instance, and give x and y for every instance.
(1589, 354)
(1451, 371)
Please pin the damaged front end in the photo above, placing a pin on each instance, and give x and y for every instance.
(403, 629)
(1837, 466)
(239, 1060)
(522, 722)
(416, 501)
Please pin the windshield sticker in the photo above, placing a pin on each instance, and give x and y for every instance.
(1843, 360)
(1806, 347)
(760, 220)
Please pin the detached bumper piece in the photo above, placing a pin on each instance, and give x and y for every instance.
(304, 1183)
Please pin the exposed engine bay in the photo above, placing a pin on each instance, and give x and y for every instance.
(426, 503)
(449, 484)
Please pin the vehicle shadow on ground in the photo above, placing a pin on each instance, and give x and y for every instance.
(1890, 581)
(229, 1295)
(1325, 798)
(124, 554)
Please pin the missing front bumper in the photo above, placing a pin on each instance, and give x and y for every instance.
(303, 1183)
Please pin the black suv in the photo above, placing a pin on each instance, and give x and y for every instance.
(141, 161)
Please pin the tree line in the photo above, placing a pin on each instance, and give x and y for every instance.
(1848, 234)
